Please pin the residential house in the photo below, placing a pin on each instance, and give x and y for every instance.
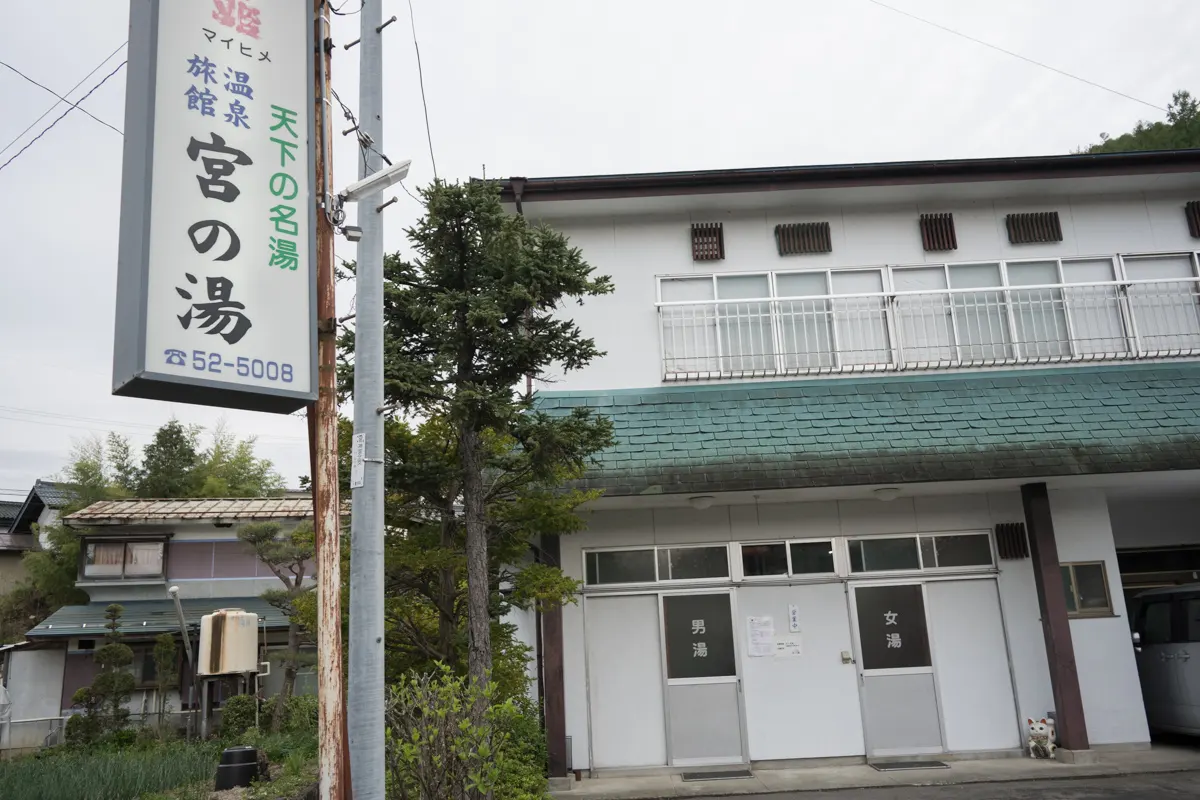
(893, 441)
(133, 552)
(12, 547)
(41, 507)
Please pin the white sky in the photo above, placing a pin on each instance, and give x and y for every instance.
(537, 88)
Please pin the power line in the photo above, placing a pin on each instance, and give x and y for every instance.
(341, 13)
(421, 76)
(46, 113)
(75, 422)
(60, 97)
(1027, 59)
(60, 118)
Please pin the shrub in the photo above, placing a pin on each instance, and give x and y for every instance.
(299, 715)
(521, 757)
(434, 751)
(237, 714)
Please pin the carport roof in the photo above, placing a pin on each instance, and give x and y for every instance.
(149, 617)
(898, 429)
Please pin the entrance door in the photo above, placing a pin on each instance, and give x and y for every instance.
(625, 681)
(704, 693)
(899, 696)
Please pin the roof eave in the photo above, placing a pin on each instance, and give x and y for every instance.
(655, 184)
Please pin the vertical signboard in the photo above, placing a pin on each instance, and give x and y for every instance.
(216, 290)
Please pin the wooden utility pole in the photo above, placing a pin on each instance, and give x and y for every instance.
(323, 443)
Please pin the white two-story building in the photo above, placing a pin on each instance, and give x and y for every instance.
(132, 552)
(894, 443)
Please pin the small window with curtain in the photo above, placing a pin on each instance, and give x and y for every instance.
(123, 560)
(1086, 588)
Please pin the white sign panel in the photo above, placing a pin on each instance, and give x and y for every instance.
(761, 631)
(793, 618)
(358, 458)
(216, 294)
(788, 646)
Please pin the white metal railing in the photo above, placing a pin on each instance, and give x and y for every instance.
(938, 329)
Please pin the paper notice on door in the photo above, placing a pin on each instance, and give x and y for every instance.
(794, 618)
(787, 646)
(761, 631)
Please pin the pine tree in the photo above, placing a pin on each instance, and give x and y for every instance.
(467, 322)
(113, 687)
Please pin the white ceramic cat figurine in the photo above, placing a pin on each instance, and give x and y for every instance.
(1041, 739)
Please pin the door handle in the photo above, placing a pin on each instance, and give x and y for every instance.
(1165, 656)
(1183, 655)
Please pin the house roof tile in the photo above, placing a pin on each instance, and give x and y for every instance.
(897, 429)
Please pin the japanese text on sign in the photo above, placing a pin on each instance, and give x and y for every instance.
(223, 247)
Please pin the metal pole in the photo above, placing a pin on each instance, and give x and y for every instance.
(366, 521)
(324, 445)
(191, 659)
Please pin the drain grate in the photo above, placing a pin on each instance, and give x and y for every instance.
(896, 766)
(715, 776)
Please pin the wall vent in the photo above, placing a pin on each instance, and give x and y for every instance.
(797, 238)
(937, 232)
(708, 241)
(1038, 226)
(1192, 212)
(1011, 541)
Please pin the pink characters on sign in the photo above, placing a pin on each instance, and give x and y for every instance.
(243, 17)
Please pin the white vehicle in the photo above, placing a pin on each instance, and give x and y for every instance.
(1166, 637)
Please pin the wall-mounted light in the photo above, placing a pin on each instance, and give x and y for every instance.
(887, 494)
(701, 502)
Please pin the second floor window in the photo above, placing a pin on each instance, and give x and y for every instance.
(116, 560)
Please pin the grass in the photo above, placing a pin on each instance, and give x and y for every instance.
(107, 774)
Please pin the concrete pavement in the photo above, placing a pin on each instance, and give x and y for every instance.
(1043, 776)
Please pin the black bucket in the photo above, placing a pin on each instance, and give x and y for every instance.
(238, 767)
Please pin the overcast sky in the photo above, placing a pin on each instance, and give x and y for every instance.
(547, 87)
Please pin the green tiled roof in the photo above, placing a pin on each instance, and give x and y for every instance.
(896, 429)
(149, 617)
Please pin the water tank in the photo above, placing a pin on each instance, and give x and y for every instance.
(228, 642)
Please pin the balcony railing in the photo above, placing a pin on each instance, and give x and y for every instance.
(923, 330)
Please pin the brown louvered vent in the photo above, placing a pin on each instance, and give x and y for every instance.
(1037, 226)
(1011, 541)
(708, 241)
(937, 232)
(795, 238)
(1192, 212)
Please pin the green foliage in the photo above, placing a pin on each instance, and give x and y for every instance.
(166, 661)
(474, 314)
(172, 466)
(287, 557)
(102, 773)
(434, 750)
(229, 468)
(237, 715)
(522, 757)
(171, 463)
(113, 687)
(1180, 131)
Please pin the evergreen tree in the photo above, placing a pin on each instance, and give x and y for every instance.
(288, 558)
(170, 463)
(1181, 131)
(113, 687)
(467, 322)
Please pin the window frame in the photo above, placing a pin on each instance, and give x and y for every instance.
(160, 577)
(1109, 610)
(923, 568)
(658, 580)
(791, 575)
